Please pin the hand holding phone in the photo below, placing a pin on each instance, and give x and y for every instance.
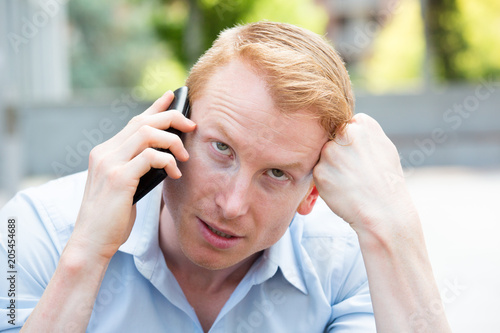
(106, 214)
(155, 176)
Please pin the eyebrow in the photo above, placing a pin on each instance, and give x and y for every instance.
(294, 165)
(221, 129)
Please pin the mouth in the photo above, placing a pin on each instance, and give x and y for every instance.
(219, 233)
(217, 238)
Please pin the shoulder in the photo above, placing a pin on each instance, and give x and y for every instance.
(53, 205)
(330, 251)
(44, 217)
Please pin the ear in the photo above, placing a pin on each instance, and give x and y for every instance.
(307, 204)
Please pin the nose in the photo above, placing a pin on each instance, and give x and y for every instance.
(233, 197)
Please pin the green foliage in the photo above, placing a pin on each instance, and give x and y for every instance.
(464, 38)
(481, 26)
(114, 43)
(397, 52)
(303, 13)
(188, 28)
(446, 38)
(109, 43)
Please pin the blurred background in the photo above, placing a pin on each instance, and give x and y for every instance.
(72, 73)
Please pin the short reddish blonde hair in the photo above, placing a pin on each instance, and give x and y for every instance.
(301, 69)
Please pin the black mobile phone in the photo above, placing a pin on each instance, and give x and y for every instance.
(155, 176)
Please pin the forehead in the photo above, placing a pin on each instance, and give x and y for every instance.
(236, 99)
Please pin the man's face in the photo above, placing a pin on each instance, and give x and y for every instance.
(250, 170)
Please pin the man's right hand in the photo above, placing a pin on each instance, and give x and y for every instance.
(107, 215)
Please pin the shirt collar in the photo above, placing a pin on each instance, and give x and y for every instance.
(286, 256)
(143, 242)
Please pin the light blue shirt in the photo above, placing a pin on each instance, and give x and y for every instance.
(312, 280)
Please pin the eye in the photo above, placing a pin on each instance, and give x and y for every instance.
(277, 174)
(221, 148)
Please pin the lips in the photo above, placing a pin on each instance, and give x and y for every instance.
(220, 239)
(220, 233)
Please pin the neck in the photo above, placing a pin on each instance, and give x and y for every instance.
(190, 274)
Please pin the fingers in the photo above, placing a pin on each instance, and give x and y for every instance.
(152, 158)
(156, 117)
(161, 104)
(361, 123)
(357, 172)
(162, 120)
(145, 133)
(134, 143)
(107, 215)
(362, 118)
(131, 152)
(117, 171)
(150, 137)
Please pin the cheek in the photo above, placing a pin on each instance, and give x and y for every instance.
(200, 178)
(173, 197)
(274, 219)
(195, 190)
(276, 213)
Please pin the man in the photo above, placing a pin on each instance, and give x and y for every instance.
(219, 246)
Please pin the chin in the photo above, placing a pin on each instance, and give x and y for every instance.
(209, 263)
(217, 260)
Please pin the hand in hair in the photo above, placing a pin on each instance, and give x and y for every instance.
(359, 176)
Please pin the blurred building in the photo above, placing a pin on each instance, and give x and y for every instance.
(34, 67)
(354, 24)
(35, 51)
(42, 132)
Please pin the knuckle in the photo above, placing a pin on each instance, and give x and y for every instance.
(329, 150)
(114, 176)
(167, 159)
(176, 117)
(149, 154)
(136, 120)
(105, 166)
(175, 113)
(157, 158)
(146, 132)
(367, 120)
(176, 140)
(95, 155)
(361, 117)
(318, 172)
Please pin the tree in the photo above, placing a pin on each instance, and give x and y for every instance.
(110, 41)
(445, 36)
(189, 27)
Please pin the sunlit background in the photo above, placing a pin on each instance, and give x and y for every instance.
(72, 73)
